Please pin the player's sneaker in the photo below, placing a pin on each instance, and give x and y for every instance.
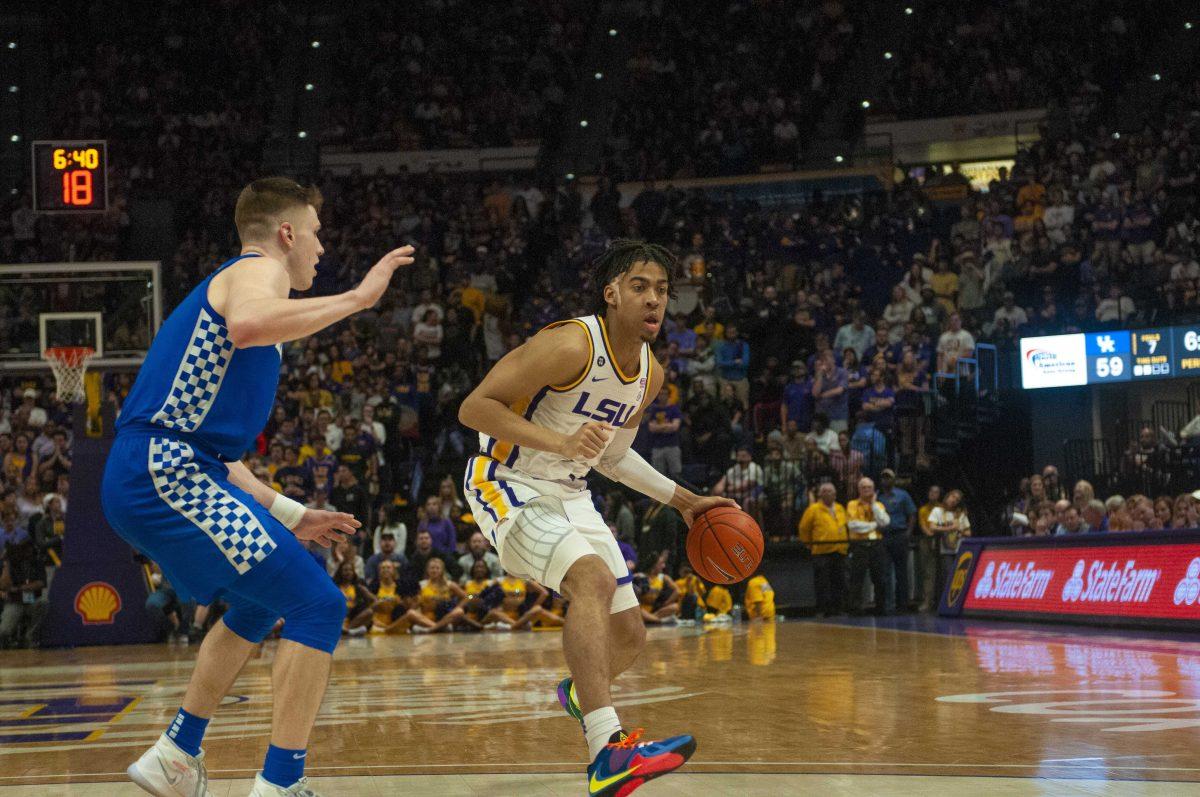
(626, 763)
(568, 699)
(264, 788)
(167, 771)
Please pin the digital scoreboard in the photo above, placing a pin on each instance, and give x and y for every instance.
(70, 176)
(1091, 358)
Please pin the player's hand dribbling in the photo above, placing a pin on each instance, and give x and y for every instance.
(325, 528)
(587, 442)
(376, 281)
(702, 505)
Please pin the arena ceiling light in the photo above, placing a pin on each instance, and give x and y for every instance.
(1156, 77)
(583, 122)
(866, 104)
(908, 11)
(598, 75)
(612, 31)
(12, 89)
(14, 138)
(838, 159)
(309, 87)
(887, 56)
(302, 134)
(315, 44)
(1187, 26)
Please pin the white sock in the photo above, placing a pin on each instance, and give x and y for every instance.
(598, 727)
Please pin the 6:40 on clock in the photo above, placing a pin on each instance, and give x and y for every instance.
(70, 176)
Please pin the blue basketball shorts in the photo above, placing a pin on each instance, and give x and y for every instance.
(174, 502)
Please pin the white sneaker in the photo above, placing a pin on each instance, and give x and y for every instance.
(167, 771)
(263, 788)
(418, 629)
(360, 630)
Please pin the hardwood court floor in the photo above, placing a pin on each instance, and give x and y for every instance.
(913, 706)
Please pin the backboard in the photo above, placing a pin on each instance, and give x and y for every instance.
(115, 308)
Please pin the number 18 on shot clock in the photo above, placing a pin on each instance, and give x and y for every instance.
(70, 176)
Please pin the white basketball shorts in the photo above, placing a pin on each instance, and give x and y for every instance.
(539, 529)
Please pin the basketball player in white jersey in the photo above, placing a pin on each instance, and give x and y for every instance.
(568, 400)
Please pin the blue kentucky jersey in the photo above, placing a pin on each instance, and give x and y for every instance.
(195, 386)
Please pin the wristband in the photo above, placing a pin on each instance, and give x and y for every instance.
(287, 511)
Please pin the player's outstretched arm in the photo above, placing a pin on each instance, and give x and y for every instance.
(325, 528)
(622, 464)
(258, 311)
(551, 357)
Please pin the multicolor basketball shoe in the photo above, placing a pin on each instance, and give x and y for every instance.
(568, 699)
(626, 762)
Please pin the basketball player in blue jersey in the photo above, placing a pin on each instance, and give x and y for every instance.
(568, 400)
(175, 488)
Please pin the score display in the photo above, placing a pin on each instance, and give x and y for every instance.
(1090, 358)
(70, 176)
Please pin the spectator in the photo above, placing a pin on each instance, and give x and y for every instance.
(830, 393)
(855, 335)
(477, 551)
(348, 495)
(344, 550)
(824, 530)
(389, 523)
(1072, 522)
(797, 399)
(440, 529)
(386, 553)
(743, 482)
(1116, 309)
(22, 581)
(950, 524)
(733, 363)
(1095, 516)
(663, 420)
(928, 554)
(955, 343)
(867, 520)
(897, 537)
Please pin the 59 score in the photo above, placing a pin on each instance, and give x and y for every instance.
(1110, 367)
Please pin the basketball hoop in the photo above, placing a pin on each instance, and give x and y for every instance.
(68, 364)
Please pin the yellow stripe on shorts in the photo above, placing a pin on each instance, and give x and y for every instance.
(490, 491)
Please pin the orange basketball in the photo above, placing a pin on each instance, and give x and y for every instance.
(724, 545)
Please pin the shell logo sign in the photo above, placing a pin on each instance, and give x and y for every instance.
(97, 603)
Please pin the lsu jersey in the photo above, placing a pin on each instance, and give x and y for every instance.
(601, 393)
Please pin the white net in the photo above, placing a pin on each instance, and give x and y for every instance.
(68, 364)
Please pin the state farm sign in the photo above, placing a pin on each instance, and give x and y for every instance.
(1136, 580)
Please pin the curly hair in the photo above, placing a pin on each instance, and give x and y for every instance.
(620, 256)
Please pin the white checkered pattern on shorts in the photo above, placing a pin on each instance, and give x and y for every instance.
(199, 376)
(226, 520)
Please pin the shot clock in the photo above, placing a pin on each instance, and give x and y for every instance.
(70, 176)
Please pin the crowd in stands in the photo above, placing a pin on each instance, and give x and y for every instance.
(719, 87)
(1044, 506)
(954, 58)
(451, 75)
(800, 347)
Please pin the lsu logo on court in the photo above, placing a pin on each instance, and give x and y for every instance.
(961, 568)
(97, 603)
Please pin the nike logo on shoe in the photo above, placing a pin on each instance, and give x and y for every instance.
(171, 781)
(596, 784)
